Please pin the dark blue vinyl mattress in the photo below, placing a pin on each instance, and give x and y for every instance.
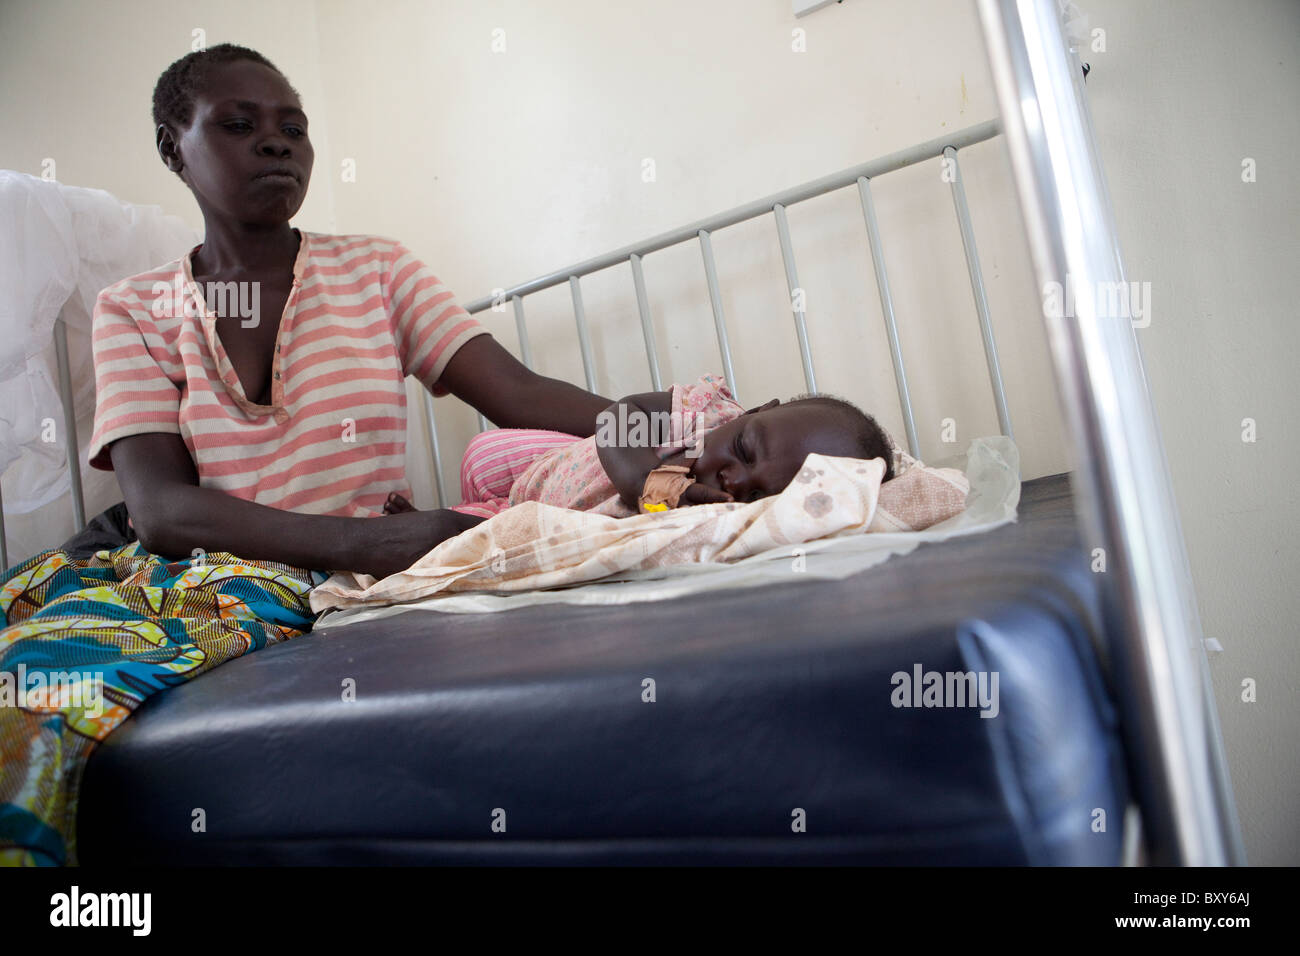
(772, 705)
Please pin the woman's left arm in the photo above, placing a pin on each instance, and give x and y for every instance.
(483, 374)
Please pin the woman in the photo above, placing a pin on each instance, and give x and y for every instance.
(269, 435)
(255, 441)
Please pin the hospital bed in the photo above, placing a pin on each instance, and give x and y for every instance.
(524, 736)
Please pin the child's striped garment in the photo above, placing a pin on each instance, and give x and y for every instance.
(495, 459)
(362, 315)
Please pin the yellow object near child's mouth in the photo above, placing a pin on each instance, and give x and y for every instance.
(655, 507)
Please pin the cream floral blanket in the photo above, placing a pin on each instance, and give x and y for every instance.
(533, 545)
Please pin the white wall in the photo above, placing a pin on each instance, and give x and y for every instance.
(79, 79)
(496, 167)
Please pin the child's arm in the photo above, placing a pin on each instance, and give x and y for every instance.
(625, 444)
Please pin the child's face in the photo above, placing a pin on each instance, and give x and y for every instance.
(246, 120)
(759, 453)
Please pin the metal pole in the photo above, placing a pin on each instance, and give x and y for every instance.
(719, 322)
(433, 448)
(647, 327)
(796, 296)
(1122, 478)
(69, 421)
(584, 342)
(887, 309)
(525, 350)
(977, 289)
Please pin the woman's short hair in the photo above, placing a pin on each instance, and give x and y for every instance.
(180, 83)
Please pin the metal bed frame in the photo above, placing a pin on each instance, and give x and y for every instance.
(1121, 477)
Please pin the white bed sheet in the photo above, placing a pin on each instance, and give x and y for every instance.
(992, 465)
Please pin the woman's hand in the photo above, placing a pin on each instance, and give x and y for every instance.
(411, 535)
(172, 515)
(629, 458)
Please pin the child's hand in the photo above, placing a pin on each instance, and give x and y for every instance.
(396, 505)
(702, 494)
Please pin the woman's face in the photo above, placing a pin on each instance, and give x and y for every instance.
(246, 154)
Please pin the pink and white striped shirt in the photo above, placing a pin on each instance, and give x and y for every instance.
(362, 315)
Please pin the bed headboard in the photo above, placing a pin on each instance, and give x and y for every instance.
(775, 205)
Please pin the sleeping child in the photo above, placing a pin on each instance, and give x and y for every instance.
(690, 445)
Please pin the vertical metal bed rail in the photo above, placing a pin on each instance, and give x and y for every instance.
(71, 444)
(719, 320)
(434, 451)
(525, 347)
(69, 421)
(1123, 481)
(977, 290)
(584, 338)
(797, 296)
(647, 325)
(887, 310)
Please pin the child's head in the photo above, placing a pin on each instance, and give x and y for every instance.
(224, 118)
(759, 453)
